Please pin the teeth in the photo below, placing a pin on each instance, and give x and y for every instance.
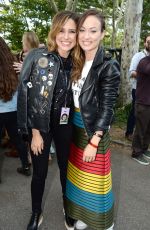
(66, 43)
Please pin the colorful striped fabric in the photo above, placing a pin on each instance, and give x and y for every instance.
(89, 194)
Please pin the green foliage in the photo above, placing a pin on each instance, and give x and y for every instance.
(121, 115)
(34, 15)
(145, 20)
(20, 16)
(23, 16)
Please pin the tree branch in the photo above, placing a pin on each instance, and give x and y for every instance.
(121, 12)
(53, 5)
(71, 5)
(6, 7)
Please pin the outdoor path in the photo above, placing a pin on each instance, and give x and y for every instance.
(131, 185)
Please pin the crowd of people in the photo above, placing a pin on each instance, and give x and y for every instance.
(66, 91)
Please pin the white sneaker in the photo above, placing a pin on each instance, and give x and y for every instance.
(40, 220)
(80, 225)
(111, 228)
(69, 227)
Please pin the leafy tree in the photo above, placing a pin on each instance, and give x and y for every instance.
(23, 16)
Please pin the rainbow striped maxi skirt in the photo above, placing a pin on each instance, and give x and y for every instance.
(89, 196)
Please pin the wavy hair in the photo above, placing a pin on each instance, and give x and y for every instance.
(31, 38)
(78, 55)
(8, 77)
(58, 21)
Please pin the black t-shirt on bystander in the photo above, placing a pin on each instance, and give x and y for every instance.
(143, 82)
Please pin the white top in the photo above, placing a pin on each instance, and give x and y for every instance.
(77, 86)
(134, 63)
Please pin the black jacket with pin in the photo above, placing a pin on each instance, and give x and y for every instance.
(99, 93)
(37, 87)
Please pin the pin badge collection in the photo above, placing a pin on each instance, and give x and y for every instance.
(43, 63)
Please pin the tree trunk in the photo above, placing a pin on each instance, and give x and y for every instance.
(117, 15)
(71, 5)
(132, 29)
(113, 38)
(120, 13)
(52, 3)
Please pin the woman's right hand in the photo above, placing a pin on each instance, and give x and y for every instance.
(37, 143)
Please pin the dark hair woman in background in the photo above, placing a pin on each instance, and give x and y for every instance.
(8, 103)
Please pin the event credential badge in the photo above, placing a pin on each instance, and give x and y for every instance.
(64, 116)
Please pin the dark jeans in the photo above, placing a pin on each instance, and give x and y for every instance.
(131, 117)
(141, 139)
(61, 135)
(9, 121)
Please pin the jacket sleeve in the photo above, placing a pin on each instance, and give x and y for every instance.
(23, 93)
(108, 88)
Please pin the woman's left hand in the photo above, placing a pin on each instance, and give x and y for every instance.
(89, 153)
(18, 66)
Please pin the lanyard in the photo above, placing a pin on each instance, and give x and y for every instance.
(67, 81)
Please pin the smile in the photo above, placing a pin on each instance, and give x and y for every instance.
(66, 43)
(86, 43)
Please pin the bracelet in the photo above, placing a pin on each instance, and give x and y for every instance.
(98, 135)
(95, 146)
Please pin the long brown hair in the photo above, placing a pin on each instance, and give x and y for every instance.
(78, 55)
(8, 77)
(58, 21)
(31, 38)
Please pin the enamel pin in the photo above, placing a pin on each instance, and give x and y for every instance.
(29, 84)
(43, 62)
(44, 78)
(51, 64)
(49, 83)
(50, 76)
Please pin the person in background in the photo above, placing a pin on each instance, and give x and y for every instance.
(29, 41)
(44, 95)
(95, 82)
(133, 74)
(8, 103)
(141, 138)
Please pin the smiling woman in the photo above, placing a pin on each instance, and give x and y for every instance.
(45, 81)
(62, 38)
(66, 38)
(95, 85)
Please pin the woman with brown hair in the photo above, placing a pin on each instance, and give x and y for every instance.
(44, 96)
(8, 102)
(95, 84)
(29, 41)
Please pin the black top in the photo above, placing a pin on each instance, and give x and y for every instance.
(62, 83)
(62, 93)
(143, 82)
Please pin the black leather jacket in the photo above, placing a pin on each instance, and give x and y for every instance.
(36, 89)
(99, 93)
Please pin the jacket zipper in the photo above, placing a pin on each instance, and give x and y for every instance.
(48, 127)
